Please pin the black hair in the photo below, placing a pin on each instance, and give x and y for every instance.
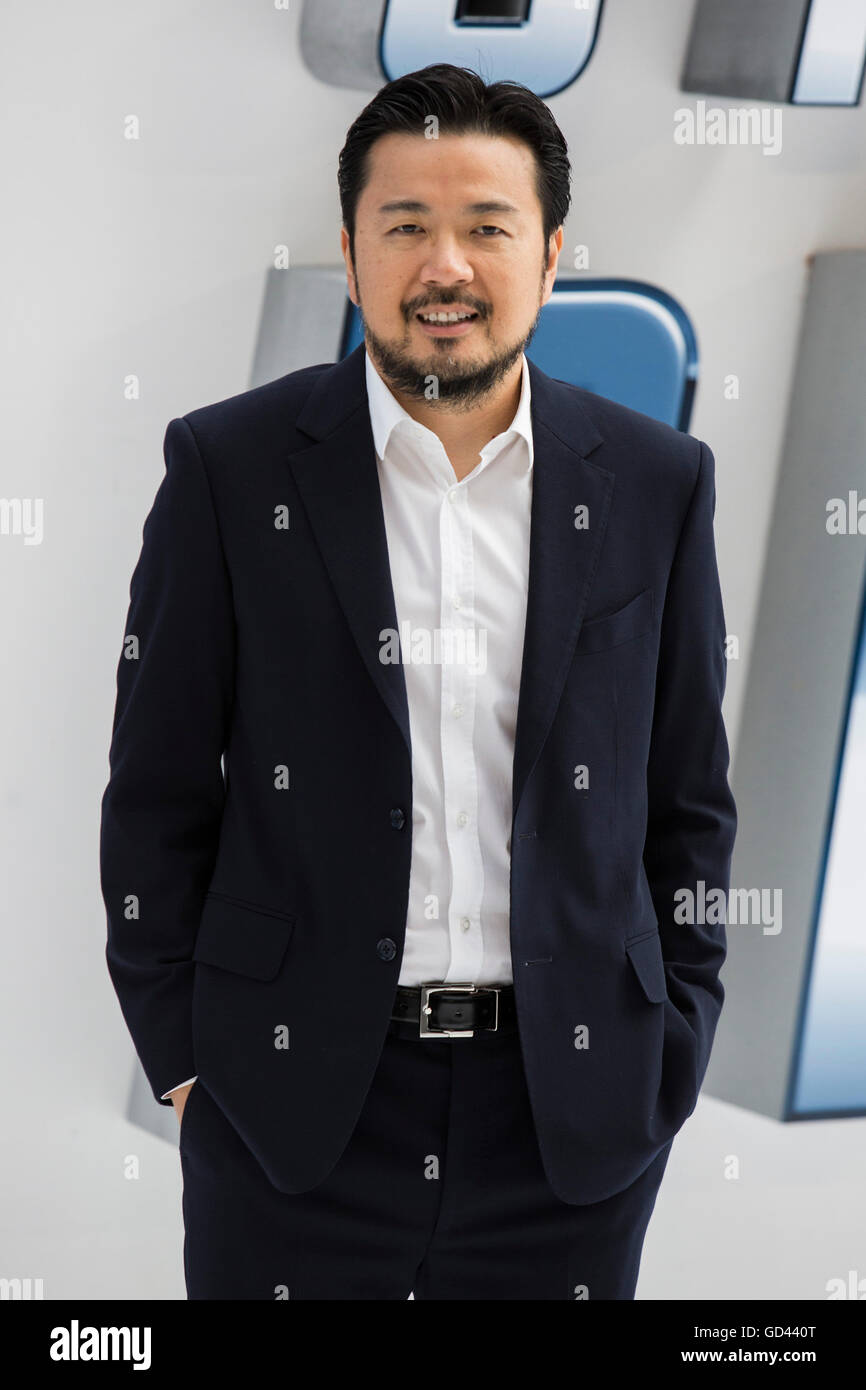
(462, 103)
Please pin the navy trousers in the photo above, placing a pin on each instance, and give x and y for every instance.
(440, 1192)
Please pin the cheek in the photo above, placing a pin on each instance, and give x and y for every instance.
(507, 317)
(513, 303)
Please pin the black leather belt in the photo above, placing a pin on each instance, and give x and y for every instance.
(453, 1011)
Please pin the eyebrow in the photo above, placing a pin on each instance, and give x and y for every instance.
(412, 205)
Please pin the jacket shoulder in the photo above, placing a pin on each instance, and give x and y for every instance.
(633, 439)
(253, 416)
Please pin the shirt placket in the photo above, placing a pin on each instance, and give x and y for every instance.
(459, 679)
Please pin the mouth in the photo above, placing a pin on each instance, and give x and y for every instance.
(451, 323)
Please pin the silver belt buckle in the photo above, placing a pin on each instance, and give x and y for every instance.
(427, 990)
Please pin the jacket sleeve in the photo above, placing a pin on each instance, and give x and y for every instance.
(161, 809)
(691, 817)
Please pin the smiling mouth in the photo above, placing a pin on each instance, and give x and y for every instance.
(450, 324)
(442, 317)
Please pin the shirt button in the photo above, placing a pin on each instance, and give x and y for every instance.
(386, 949)
(465, 923)
(452, 495)
(462, 818)
(457, 710)
(455, 602)
(398, 820)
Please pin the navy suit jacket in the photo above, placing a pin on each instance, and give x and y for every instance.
(254, 872)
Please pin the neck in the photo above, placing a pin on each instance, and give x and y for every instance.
(464, 432)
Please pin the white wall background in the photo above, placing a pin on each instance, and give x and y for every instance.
(148, 257)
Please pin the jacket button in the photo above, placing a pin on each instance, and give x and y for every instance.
(398, 820)
(386, 949)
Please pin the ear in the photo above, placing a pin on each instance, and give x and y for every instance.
(553, 250)
(350, 272)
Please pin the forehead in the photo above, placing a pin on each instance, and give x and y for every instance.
(452, 171)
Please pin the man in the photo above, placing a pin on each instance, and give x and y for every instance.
(417, 959)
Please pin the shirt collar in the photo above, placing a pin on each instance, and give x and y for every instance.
(386, 412)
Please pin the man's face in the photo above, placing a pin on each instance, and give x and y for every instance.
(453, 224)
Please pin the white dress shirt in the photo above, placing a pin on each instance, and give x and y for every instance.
(459, 560)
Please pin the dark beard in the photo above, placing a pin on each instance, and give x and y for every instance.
(464, 385)
(460, 385)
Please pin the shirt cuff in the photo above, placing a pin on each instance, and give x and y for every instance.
(166, 1094)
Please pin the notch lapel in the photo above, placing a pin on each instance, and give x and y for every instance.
(339, 485)
(562, 559)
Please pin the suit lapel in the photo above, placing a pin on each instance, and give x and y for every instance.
(339, 485)
(338, 481)
(562, 559)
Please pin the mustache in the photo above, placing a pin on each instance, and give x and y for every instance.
(445, 300)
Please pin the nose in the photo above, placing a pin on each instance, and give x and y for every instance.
(446, 264)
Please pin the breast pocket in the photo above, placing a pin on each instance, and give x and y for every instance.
(612, 629)
(242, 937)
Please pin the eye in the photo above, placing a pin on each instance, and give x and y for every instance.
(409, 227)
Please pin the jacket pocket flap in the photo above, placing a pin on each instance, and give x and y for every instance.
(633, 620)
(237, 936)
(645, 954)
